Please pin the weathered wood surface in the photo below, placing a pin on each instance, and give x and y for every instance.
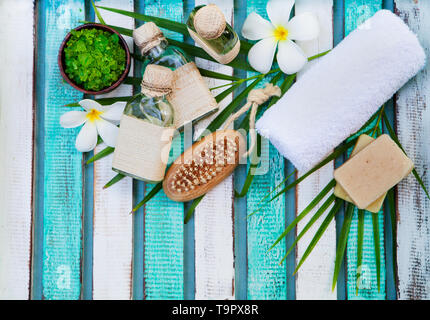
(164, 218)
(313, 281)
(158, 241)
(113, 229)
(413, 129)
(266, 278)
(62, 206)
(16, 147)
(214, 252)
(356, 12)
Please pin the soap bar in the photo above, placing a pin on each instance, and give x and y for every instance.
(363, 141)
(373, 171)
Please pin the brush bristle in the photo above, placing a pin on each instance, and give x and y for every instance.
(207, 162)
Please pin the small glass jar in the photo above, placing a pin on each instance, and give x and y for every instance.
(146, 129)
(208, 27)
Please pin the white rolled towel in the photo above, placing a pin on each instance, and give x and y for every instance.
(336, 96)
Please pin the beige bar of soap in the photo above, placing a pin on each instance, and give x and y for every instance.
(363, 141)
(373, 171)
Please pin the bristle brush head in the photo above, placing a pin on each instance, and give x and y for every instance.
(204, 165)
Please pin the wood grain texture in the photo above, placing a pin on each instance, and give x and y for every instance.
(214, 252)
(313, 281)
(266, 278)
(62, 213)
(113, 229)
(164, 218)
(413, 129)
(356, 12)
(16, 147)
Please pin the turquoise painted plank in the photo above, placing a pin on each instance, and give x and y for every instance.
(189, 235)
(338, 34)
(356, 12)
(62, 207)
(138, 195)
(240, 220)
(266, 278)
(164, 219)
(389, 250)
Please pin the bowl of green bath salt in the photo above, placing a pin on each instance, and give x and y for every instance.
(94, 58)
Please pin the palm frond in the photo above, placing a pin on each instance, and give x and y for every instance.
(305, 211)
(314, 218)
(149, 196)
(393, 219)
(320, 232)
(191, 208)
(396, 140)
(360, 237)
(375, 224)
(114, 180)
(342, 241)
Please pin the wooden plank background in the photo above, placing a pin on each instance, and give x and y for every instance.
(63, 237)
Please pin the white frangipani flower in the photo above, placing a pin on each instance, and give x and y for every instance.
(279, 32)
(96, 120)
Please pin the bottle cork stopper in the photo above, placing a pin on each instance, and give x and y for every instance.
(209, 22)
(147, 36)
(157, 81)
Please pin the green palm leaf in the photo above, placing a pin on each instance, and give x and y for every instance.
(248, 181)
(238, 62)
(305, 211)
(104, 153)
(231, 107)
(360, 237)
(393, 219)
(320, 232)
(149, 196)
(215, 124)
(342, 241)
(102, 101)
(99, 16)
(314, 218)
(135, 81)
(377, 248)
(160, 22)
(191, 208)
(114, 180)
(336, 153)
(396, 140)
(168, 24)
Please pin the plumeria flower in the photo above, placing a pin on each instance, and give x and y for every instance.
(279, 32)
(96, 120)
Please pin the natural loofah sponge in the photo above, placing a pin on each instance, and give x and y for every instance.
(336, 96)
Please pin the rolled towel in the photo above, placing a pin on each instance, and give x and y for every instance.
(336, 96)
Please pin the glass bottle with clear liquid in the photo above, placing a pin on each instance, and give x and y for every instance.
(146, 129)
(155, 48)
(191, 97)
(208, 27)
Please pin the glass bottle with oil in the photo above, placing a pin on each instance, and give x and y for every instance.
(191, 97)
(146, 128)
(208, 27)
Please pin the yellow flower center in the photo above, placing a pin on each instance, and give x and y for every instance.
(281, 33)
(94, 115)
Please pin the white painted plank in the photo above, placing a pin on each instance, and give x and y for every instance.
(214, 257)
(113, 229)
(16, 146)
(313, 281)
(413, 129)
